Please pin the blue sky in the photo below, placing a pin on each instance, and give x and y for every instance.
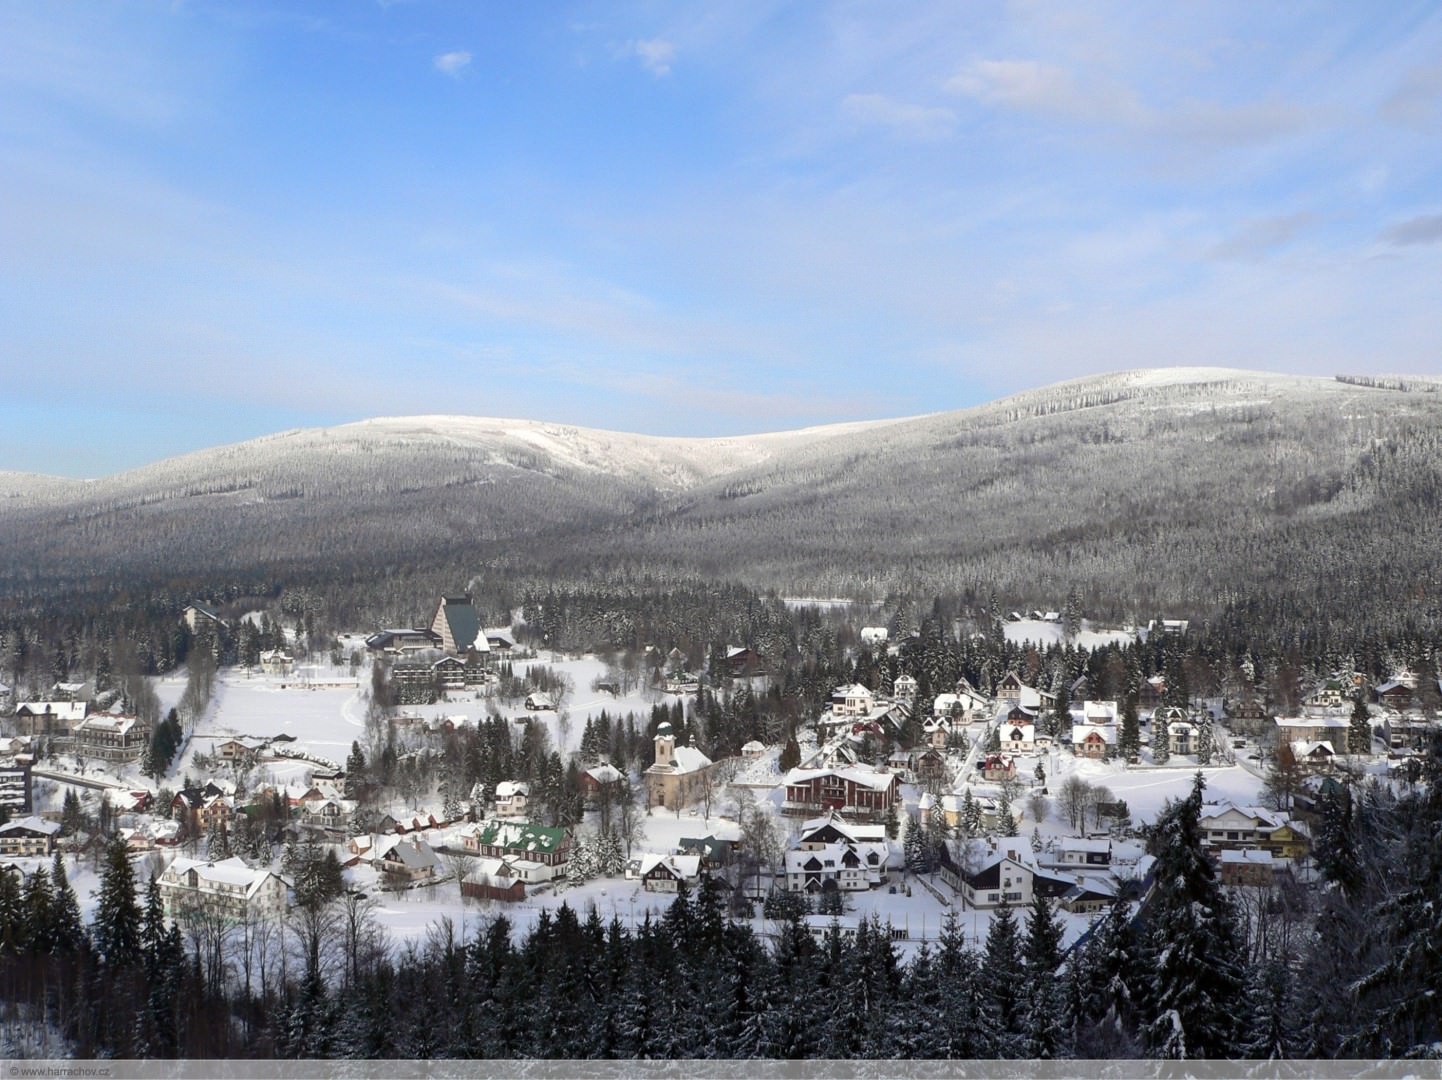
(219, 220)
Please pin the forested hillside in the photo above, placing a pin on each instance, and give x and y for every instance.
(1179, 490)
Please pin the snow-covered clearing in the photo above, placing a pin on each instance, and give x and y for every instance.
(1042, 634)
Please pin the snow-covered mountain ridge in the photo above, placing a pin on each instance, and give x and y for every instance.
(1132, 474)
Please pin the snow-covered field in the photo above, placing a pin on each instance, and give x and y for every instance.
(1041, 634)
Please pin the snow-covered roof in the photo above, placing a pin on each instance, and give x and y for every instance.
(110, 725)
(680, 866)
(232, 871)
(754, 747)
(1212, 811)
(1261, 858)
(413, 855)
(1100, 712)
(861, 775)
(519, 836)
(688, 759)
(1106, 732)
(604, 773)
(31, 824)
(61, 710)
(1312, 722)
(509, 789)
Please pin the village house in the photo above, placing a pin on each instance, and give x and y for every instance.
(111, 738)
(197, 615)
(931, 767)
(1149, 695)
(998, 767)
(538, 701)
(277, 662)
(56, 719)
(1182, 737)
(935, 732)
(1099, 713)
(229, 889)
(1254, 868)
(832, 853)
(1089, 896)
(235, 750)
(753, 750)
(511, 798)
(409, 861)
(1001, 880)
(1018, 736)
(679, 774)
(1097, 741)
(494, 879)
(874, 635)
(333, 815)
(539, 853)
(1407, 732)
(1248, 717)
(858, 791)
(853, 700)
(1315, 757)
(1396, 694)
(600, 777)
(1226, 826)
(1330, 695)
(201, 808)
(743, 663)
(664, 873)
(28, 836)
(904, 688)
(1312, 729)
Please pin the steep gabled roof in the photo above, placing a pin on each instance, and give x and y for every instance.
(462, 619)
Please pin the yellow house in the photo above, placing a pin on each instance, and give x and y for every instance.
(1286, 842)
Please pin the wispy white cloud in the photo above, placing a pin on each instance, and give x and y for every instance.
(452, 63)
(1032, 86)
(1055, 92)
(922, 123)
(1422, 229)
(1417, 101)
(1260, 236)
(656, 55)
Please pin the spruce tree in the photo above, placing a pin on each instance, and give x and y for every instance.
(1193, 945)
(116, 924)
(1045, 1004)
(1003, 981)
(1359, 730)
(1129, 737)
(69, 930)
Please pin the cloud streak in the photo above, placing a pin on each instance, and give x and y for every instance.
(1422, 229)
(920, 123)
(656, 55)
(452, 63)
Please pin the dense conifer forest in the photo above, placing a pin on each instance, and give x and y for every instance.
(1193, 975)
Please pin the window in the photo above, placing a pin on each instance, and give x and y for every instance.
(1012, 897)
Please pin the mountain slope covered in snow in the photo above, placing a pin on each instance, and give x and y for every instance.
(1177, 488)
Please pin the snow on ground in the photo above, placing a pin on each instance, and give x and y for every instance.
(324, 718)
(1042, 633)
(566, 725)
